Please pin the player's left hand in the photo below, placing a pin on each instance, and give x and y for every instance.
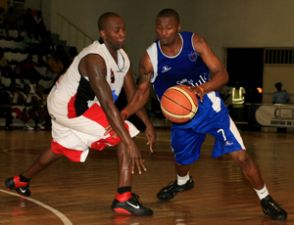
(124, 114)
(151, 137)
(109, 130)
(136, 160)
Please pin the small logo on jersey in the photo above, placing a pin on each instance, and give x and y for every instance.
(193, 56)
(112, 77)
(228, 143)
(186, 81)
(165, 69)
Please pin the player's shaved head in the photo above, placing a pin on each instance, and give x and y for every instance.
(168, 12)
(104, 18)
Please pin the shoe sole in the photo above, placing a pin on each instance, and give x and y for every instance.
(122, 211)
(274, 217)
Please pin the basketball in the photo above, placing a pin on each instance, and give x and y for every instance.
(179, 104)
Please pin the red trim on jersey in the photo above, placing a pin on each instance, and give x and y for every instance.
(96, 113)
(123, 197)
(103, 143)
(71, 112)
(71, 154)
(113, 140)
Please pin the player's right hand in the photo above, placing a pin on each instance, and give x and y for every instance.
(199, 91)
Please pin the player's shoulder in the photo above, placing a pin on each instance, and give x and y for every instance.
(151, 51)
(152, 47)
(198, 38)
(199, 42)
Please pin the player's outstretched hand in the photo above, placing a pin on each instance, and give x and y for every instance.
(137, 162)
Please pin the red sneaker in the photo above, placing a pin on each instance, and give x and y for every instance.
(14, 183)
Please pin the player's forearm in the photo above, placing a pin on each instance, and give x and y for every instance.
(142, 114)
(118, 125)
(218, 80)
(137, 102)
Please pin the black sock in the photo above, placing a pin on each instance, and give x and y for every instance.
(121, 190)
(24, 179)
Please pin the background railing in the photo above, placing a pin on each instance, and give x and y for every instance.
(70, 33)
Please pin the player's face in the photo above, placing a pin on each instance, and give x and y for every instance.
(114, 34)
(167, 29)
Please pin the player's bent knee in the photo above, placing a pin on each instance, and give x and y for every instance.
(240, 157)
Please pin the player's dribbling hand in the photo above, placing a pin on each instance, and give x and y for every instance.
(199, 91)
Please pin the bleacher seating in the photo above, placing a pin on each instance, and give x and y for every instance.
(26, 58)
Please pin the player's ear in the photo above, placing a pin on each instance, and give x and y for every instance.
(179, 27)
(102, 34)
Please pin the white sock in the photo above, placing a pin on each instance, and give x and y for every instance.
(183, 180)
(262, 193)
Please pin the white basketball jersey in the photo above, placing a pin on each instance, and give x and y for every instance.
(72, 94)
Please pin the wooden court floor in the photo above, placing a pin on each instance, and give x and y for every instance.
(80, 194)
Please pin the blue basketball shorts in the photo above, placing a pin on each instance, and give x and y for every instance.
(186, 141)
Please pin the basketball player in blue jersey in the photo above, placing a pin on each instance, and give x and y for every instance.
(185, 58)
(82, 108)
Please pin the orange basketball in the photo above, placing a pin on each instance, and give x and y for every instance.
(179, 104)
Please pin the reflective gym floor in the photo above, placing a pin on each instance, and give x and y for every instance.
(68, 193)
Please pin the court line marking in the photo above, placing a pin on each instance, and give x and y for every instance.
(60, 215)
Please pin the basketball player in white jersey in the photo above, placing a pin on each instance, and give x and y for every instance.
(82, 108)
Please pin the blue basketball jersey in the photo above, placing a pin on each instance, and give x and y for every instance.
(186, 68)
(212, 116)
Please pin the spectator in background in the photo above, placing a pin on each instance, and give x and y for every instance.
(47, 43)
(39, 111)
(56, 63)
(20, 103)
(4, 66)
(26, 69)
(72, 52)
(226, 92)
(6, 73)
(3, 60)
(61, 55)
(238, 102)
(16, 101)
(2, 15)
(9, 20)
(40, 27)
(280, 96)
(27, 22)
(5, 109)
